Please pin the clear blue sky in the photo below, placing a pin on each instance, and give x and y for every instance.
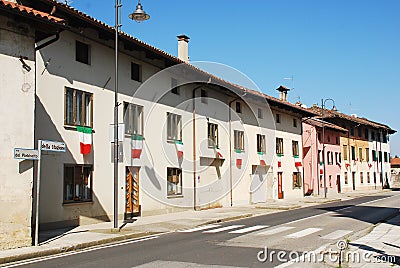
(347, 50)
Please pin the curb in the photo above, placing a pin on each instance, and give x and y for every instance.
(53, 251)
(280, 207)
(233, 218)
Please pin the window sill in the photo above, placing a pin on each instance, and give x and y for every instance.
(77, 203)
(70, 127)
(175, 196)
(172, 141)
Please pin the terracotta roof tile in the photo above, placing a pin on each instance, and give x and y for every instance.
(28, 10)
(358, 120)
(395, 162)
(320, 123)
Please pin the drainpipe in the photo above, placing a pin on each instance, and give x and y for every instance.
(194, 145)
(381, 153)
(230, 148)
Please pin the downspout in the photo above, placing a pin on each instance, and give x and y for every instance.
(194, 146)
(381, 153)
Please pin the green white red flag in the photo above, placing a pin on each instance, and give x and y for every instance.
(297, 161)
(239, 157)
(85, 139)
(279, 160)
(179, 148)
(218, 152)
(263, 161)
(137, 146)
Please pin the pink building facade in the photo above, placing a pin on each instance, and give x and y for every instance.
(313, 159)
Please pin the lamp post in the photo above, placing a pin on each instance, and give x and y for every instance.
(323, 139)
(139, 15)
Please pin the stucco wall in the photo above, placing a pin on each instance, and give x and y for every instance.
(17, 91)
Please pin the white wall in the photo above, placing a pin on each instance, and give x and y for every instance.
(17, 91)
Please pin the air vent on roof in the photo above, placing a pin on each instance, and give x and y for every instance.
(354, 115)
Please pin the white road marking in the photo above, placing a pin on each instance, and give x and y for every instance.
(297, 261)
(62, 255)
(276, 230)
(336, 234)
(222, 229)
(303, 233)
(249, 229)
(200, 228)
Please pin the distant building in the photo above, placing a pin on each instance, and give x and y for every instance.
(365, 151)
(314, 131)
(394, 182)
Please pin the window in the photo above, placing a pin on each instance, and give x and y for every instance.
(279, 145)
(361, 177)
(351, 131)
(261, 143)
(204, 96)
(174, 181)
(337, 158)
(136, 72)
(368, 178)
(174, 86)
(366, 133)
(174, 127)
(260, 113)
(330, 180)
(329, 138)
(319, 136)
(373, 135)
(294, 122)
(212, 135)
(77, 183)
(374, 158)
(384, 138)
(344, 152)
(360, 154)
(359, 132)
(330, 158)
(82, 52)
(295, 148)
(380, 156)
(346, 179)
(367, 154)
(385, 156)
(238, 107)
(239, 140)
(278, 118)
(78, 108)
(353, 153)
(133, 119)
(337, 140)
(296, 180)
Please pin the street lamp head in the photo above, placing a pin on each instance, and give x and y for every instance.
(139, 15)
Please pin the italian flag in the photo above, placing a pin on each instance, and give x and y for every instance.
(137, 146)
(85, 139)
(218, 152)
(179, 148)
(263, 162)
(297, 161)
(321, 168)
(238, 157)
(279, 160)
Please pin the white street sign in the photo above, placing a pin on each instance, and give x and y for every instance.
(27, 154)
(53, 146)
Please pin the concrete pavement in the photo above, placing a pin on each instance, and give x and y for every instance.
(58, 241)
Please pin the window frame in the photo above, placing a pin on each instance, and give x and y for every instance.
(178, 191)
(260, 113)
(171, 119)
(204, 96)
(279, 146)
(367, 154)
(75, 198)
(238, 140)
(175, 89)
(138, 71)
(360, 154)
(135, 111)
(296, 180)
(277, 118)
(295, 148)
(238, 107)
(212, 140)
(345, 153)
(261, 144)
(85, 108)
(295, 122)
(82, 52)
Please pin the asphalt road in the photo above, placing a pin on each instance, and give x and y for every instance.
(239, 243)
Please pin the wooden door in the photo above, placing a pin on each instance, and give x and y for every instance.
(339, 188)
(132, 206)
(280, 191)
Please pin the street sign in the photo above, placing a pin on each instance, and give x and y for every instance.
(27, 154)
(53, 146)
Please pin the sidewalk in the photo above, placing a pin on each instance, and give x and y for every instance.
(63, 240)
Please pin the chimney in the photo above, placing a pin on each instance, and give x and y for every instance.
(183, 47)
(283, 93)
